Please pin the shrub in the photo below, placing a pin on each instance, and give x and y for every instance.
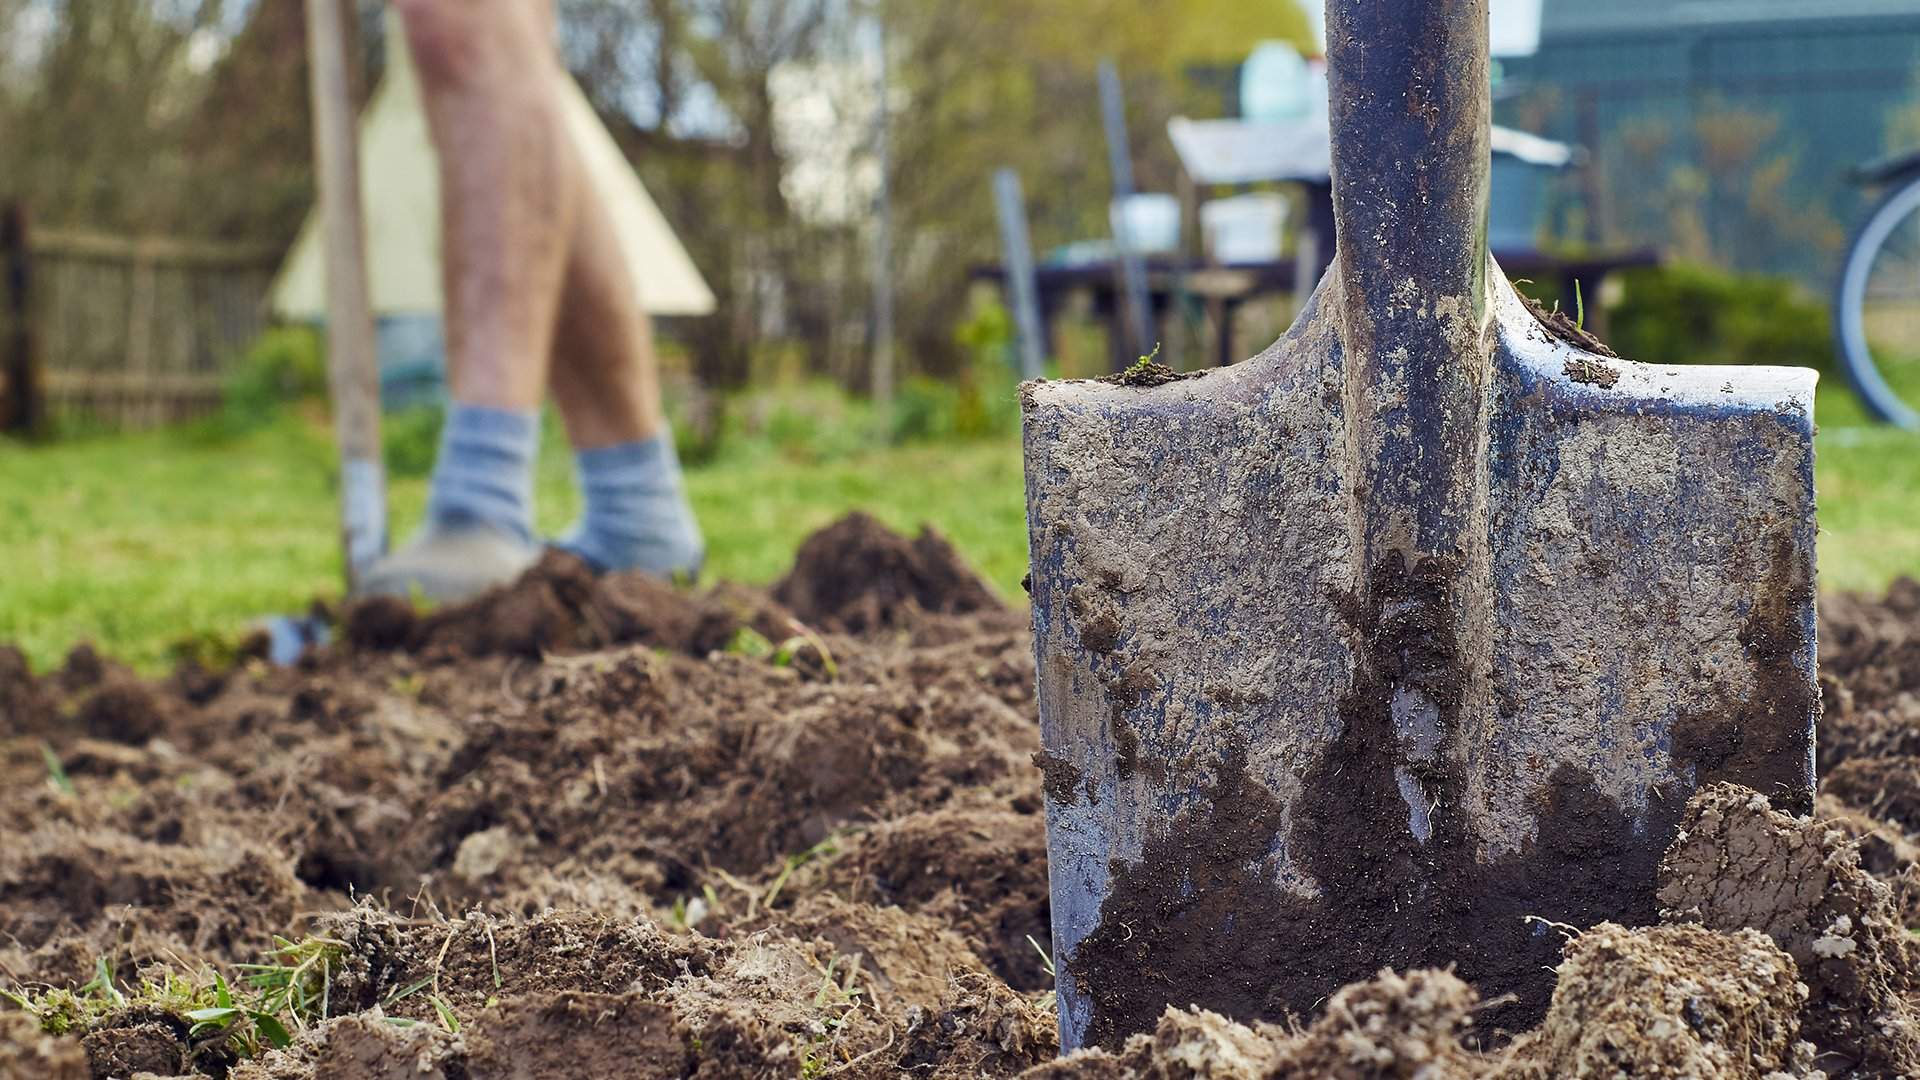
(410, 439)
(983, 401)
(285, 364)
(1700, 315)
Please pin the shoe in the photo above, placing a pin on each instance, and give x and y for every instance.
(446, 565)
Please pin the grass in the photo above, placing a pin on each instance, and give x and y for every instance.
(272, 1001)
(142, 542)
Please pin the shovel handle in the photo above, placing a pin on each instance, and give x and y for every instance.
(1411, 132)
(1410, 112)
(352, 355)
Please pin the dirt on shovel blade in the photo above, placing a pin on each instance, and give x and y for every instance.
(595, 827)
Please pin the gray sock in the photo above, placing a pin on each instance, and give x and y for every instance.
(484, 474)
(637, 516)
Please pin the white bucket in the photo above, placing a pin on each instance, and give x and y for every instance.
(1244, 228)
(1152, 223)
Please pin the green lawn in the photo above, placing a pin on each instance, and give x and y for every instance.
(136, 542)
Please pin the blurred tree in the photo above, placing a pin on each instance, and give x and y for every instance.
(690, 86)
(95, 109)
(189, 117)
(1011, 83)
(256, 157)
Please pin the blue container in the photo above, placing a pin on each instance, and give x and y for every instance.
(413, 361)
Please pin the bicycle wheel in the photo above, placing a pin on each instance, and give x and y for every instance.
(1876, 311)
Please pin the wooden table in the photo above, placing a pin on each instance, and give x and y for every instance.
(1224, 289)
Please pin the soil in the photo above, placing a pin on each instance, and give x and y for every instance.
(609, 833)
(1573, 332)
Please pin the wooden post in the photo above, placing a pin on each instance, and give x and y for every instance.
(1133, 299)
(23, 406)
(1017, 250)
(883, 359)
(352, 366)
(143, 410)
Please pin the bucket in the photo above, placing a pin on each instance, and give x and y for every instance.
(1244, 228)
(1151, 222)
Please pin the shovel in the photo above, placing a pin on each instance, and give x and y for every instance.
(1405, 642)
(353, 374)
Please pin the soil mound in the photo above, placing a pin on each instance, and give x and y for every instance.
(1668, 1003)
(595, 826)
(981, 1028)
(558, 605)
(1738, 863)
(1870, 667)
(983, 871)
(856, 576)
(26, 1051)
(1391, 1027)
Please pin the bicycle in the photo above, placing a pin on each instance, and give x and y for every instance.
(1876, 309)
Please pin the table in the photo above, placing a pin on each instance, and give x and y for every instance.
(1224, 289)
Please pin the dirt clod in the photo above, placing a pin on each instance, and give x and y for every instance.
(27, 1052)
(856, 576)
(124, 710)
(149, 1047)
(1739, 863)
(1668, 1003)
(1570, 330)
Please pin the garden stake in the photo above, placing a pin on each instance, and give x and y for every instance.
(353, 374)
(1414, 633)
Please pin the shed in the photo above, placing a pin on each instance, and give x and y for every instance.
(1725, 128)
(400, 188)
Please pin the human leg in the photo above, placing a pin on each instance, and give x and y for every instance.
(605, 380)
(510, 184)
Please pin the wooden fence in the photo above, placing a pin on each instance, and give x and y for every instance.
(137, 332)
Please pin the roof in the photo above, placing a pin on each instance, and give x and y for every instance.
(400, 193)
(1251, 151)
(1260, 151)
(1581, 18)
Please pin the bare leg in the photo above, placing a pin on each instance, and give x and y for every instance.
(537, 292)
(510, 193)
(606, 381)
(605, 377)
(510, 184)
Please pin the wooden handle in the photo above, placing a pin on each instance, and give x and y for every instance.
(352, 364)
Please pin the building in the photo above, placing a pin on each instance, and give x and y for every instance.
(1721, 130)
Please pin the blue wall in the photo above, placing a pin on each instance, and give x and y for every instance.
(1669, 108)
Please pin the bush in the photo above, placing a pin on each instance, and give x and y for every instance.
(924, 410)
(285, 364)
(410, 439)
(983, 402)
(811, 421)
(1700, 315)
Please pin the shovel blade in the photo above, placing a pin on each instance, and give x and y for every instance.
(1244, 813)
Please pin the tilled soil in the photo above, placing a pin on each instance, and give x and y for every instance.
(607, 828)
